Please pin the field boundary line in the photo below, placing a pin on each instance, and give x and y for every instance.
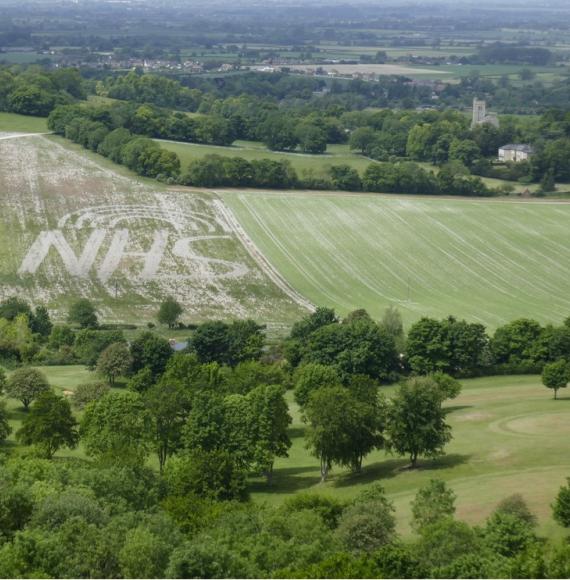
(259, 258)
(386, 196)
(16, 135)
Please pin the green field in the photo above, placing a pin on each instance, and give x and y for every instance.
(506, 439)
(10, 122)
(317, 165)
(495, 71)
(486, 260)
(335, 155)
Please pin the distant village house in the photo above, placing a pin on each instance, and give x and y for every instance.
(515, 152)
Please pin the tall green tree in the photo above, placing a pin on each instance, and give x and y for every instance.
(392, 324)
(169, 312)
(341, 429)
(312, 376)
(556, 375)
(26, 384)
(168, 404)
(433, 502)
(561, 505)
(83, 313)
(271, 420)
(415, 422)
(368, 523)
(151, 351)
(450, 345)
(40, 322)
(114, 362)
(204, 430)
(208, 474)
(117, 429)
(50, 425)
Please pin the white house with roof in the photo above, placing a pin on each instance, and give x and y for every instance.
(515, 152)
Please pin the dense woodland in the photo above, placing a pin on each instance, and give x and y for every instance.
(171, 440)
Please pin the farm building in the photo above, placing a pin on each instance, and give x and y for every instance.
(515, 152)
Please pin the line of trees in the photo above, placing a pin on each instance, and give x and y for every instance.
(356, 345)
(433, 136)
(396, 138)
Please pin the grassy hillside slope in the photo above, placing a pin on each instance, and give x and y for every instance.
(250, 150)
(488, 261)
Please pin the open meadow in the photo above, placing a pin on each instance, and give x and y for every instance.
(10, 122)
(489, 261)
(301, 162)
(506, 439)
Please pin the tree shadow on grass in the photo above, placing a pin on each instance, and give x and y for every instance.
(392, 467)
(455, 408)
(287, 480)
(296, 432)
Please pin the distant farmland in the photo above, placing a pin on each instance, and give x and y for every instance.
(366, 69)
(487, 261)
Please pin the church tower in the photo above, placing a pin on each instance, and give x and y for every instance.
(479, 112)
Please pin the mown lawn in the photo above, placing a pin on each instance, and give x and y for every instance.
(507, 438)
(250, 150)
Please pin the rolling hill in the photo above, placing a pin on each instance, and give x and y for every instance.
(73, 224)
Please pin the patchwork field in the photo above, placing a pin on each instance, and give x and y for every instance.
(74, 225)
(486, 260)
(506, 439)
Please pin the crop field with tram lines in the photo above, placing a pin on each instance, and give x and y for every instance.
(75, 224)
(489, 261)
